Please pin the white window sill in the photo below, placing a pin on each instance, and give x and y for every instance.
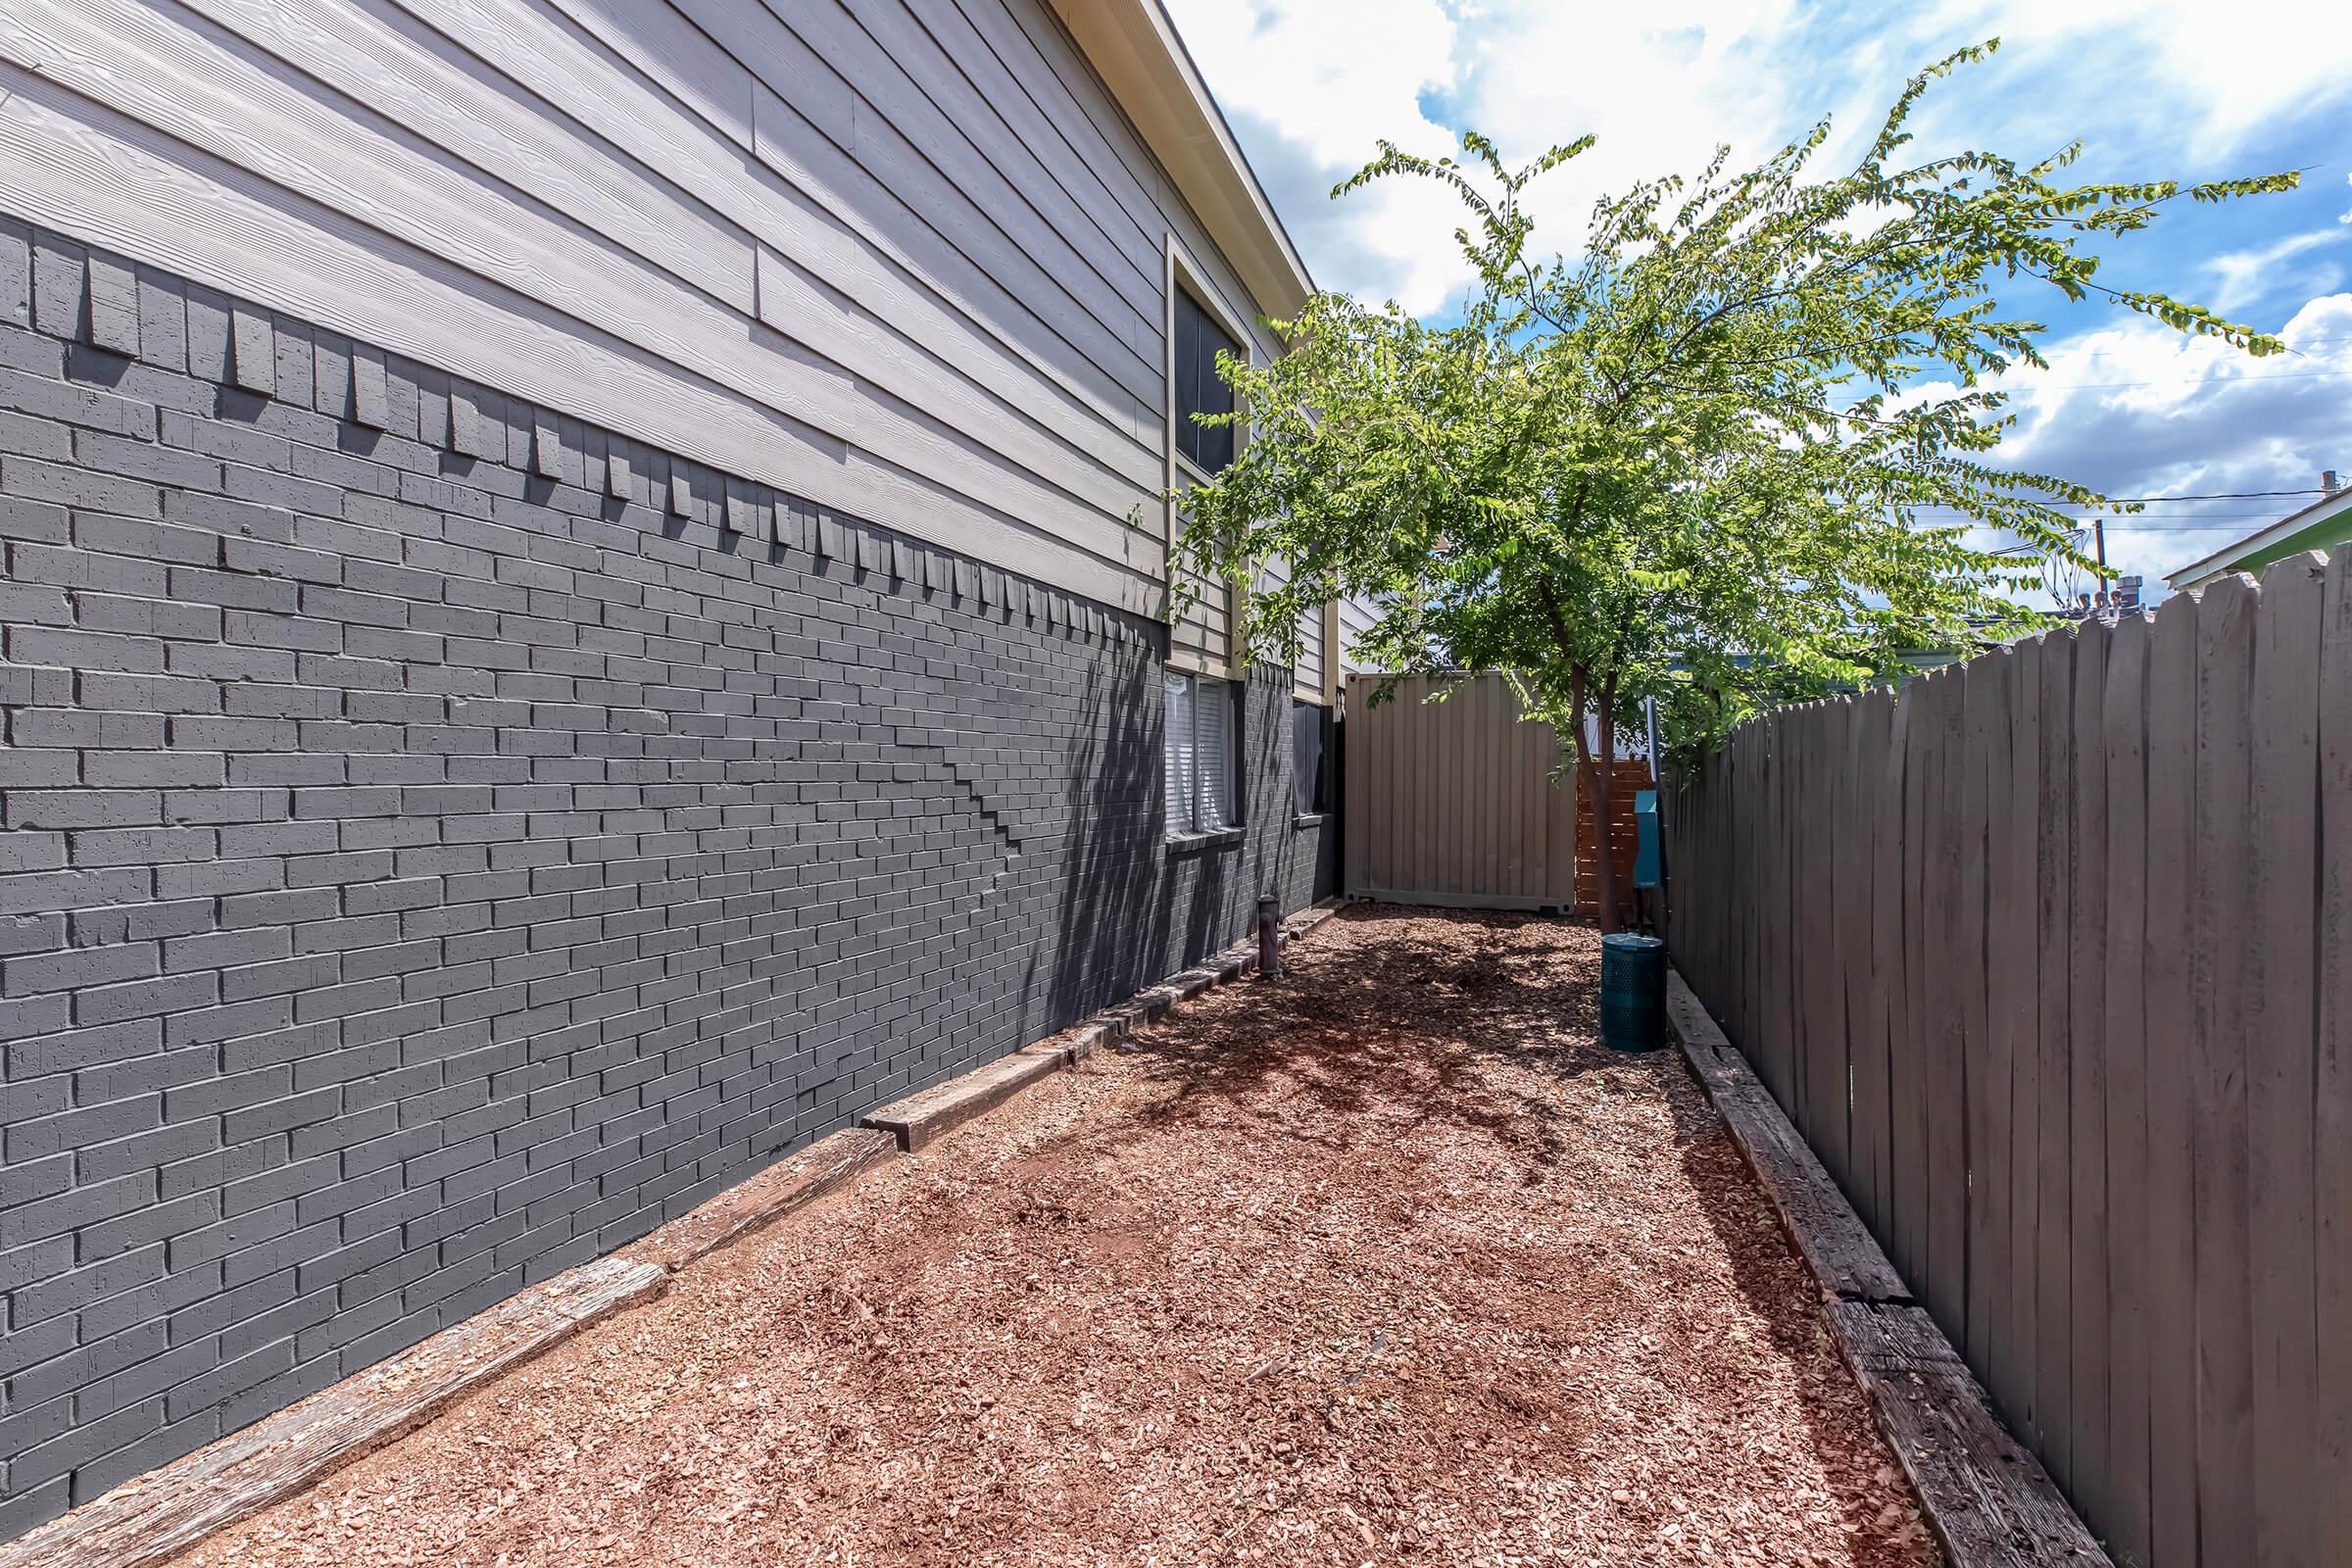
(1203, 842)
(1310, 819)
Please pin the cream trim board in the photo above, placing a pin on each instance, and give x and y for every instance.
(1136, 51)
(1333, 677)
(1185, 272)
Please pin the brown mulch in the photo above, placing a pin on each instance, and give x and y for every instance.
(1388, 1261)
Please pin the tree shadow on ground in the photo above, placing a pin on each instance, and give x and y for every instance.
(1388, 1024)
(1395, 1024)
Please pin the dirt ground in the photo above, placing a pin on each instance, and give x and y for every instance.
(1385, 1262)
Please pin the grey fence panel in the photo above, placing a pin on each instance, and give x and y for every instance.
(2050, 958)
(1452, 802)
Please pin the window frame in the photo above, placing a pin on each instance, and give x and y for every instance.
(1221, 696)
(1183, 272)
(1311, 805)
(1212, 322)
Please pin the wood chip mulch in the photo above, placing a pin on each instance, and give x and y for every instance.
(1387, 1261)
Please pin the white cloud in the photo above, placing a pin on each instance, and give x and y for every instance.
(2158, 86)
(1310, 85)
(2138, 409)
(2243, 275)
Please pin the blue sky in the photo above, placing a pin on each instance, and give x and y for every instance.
(2154, 88)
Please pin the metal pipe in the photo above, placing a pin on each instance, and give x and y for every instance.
(1269, 938)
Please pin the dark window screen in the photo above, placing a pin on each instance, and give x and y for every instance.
(1310, 755)
(1198, 388)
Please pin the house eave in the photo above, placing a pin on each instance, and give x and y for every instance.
(1135, 49)
(2198, 574)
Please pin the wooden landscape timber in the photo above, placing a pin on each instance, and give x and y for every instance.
(155, 1516)
(168, 1510)
(2094, 1024)
(1989, 1501)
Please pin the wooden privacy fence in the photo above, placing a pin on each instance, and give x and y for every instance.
(1454, 803)
(2051, 962)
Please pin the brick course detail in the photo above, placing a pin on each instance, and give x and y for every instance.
(440, 842)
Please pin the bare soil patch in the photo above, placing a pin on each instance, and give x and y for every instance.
(1388, 1261)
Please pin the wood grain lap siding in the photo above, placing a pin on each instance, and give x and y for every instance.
(930, 295)
(1357, 618)
(1308, 671)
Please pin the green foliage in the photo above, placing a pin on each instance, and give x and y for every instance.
(1696, 461)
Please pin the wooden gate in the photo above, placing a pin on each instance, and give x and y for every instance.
(1453, 802)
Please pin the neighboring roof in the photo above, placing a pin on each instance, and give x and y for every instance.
(1135, 49)
(2328, 520)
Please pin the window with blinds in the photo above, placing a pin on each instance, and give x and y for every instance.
(1200, 755)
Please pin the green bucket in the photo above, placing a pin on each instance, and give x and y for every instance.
(1632, 992)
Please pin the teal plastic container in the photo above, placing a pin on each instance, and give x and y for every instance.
(1632, 992)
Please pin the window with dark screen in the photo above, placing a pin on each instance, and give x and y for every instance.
(1198, 388)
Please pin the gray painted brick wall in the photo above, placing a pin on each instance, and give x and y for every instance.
(439, 842)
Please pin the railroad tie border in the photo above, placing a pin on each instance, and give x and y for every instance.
(155, 1516)
(1987, 1499)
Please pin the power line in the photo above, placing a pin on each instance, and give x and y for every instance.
(2249, 380)
(2138, 501)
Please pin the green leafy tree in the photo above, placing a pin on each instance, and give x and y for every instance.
(1700, 460)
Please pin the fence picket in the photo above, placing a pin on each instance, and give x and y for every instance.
(1986, 762)
(1886, 955)
(2125, 711)
(1852, 825)
(2225, 1345)
(2278, 1035)
(1944, 1074)
(2053, 1263)
(2332, 1097)
(2086, 1064)
(1906, 1237)
(2050, 955)
(1826, 1094)
(2022, 997)
(2170, 1085)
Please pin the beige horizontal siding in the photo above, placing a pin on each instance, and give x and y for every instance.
(902, 258)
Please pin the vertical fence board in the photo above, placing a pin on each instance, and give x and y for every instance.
(2087, 1066)
(2021, 996)
(2225, 1348)
(1987, 782)
(1785, 902)
(2053, 1263)
(1795, 760)
(2331, 1091)
(1947, 1075)
(2125, 711)
(1874, 836)
(2170, 1085)
(2008, 891)
(2278, 1035)
(1908, 1241)
(2050, 958)
(1825, 1008)
(1852, 825)
(1772, 968)
(1453, 801)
